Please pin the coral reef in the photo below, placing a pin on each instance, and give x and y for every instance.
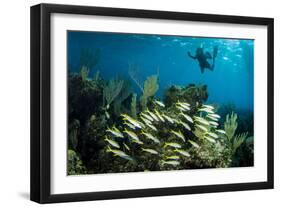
(192, 94)
(110, 129)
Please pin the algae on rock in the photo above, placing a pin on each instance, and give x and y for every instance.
(191, 93)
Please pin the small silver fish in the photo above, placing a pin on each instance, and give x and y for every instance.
(132, 135)
(107, 115)
(132, 121)
(201, 120)
(194, 144)
(126, 146)
(181, 108)
(152, 127)
(151, 151)
(179, 135)
(185, 125)
(152, 115)
(207, 110)
(150, 136)
(146, 121)
(169, 119)
(159, 115)
(213, 135)
(220, 131)
(182, 152)
(173, 157)
(208, 106)
(212, 118)
(213, 123)
(215, 116)
(171, 162)
(187, 117)
(202, 128)
(159, 103)
(172, 144)
(115, 132)
(120, 154)
(112, 142)
(137, 141)
(210, 139)
(184, 105)
(147, 116)
(130, 125)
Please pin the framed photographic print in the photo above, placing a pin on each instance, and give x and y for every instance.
(132, 103)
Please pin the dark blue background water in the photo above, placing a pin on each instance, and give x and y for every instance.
(230, 82)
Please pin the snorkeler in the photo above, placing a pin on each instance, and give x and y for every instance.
(203, 58)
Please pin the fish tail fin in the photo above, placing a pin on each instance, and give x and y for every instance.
(108, 149)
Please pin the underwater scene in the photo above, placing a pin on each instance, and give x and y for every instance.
(145, 102)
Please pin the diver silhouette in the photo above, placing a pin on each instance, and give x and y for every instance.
(203, 57)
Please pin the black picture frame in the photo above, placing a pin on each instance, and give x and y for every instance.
(41, 96)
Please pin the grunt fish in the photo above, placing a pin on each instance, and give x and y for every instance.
(213, 135)
(212, 118)
(130, 125)
(179, 135)
(202, 128)
(186, 106)
(214, 123)
(126, 146)
(173, 157)
(151, 151)
(210, 139)
(120, 154)
(220, 131)
(146, 116)
(112, 142)
(172, 144)
(115, 132)
(182, 152)
(132, 121)
(159, 115)
(194, 144)
(169, 119)
(150, 136)
(152, 115)
(215, 116)
(146, 121)
(172, 162)
(132, 135)
(185, 125)
(159, 103)
(152, 127)
(187, 117)
(201, 120)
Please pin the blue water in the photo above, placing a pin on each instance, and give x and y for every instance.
(230, 82)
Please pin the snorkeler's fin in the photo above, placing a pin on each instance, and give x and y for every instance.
(215, 52)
